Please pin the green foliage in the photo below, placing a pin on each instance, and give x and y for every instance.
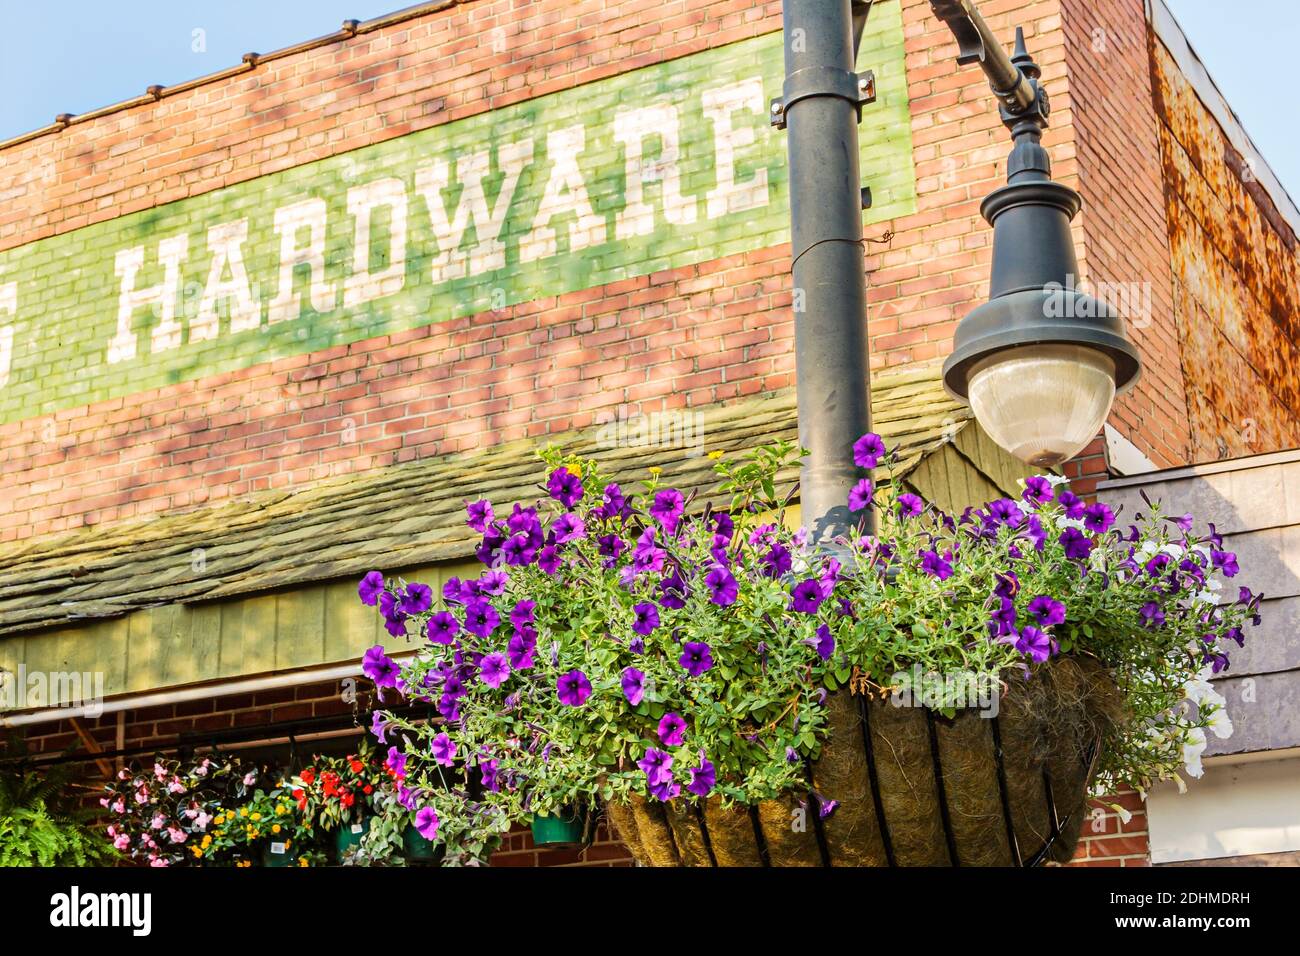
(41, 823)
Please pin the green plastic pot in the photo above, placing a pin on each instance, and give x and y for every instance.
(566, 831)
(349, 835)
(417, 849)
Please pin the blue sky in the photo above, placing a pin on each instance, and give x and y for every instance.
(76, 55)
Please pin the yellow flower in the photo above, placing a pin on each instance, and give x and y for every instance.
(243, 811)
(196, 851)
(275, 828)
(302, 861)
(655, 469)
(287, 844)
(281, 810)
(715, 455)
(256, 816)
(219, 819)
(207, 842)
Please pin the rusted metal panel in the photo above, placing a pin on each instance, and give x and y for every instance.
(1236, 278)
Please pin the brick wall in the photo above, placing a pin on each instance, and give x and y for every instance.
(1124, 242)
(544, 366)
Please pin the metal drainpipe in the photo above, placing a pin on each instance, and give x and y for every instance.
(820, 110)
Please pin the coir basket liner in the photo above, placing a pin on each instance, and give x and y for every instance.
(914, 788)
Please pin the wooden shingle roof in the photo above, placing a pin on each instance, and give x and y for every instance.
(401, 516)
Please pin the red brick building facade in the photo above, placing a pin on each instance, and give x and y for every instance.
(687, 336)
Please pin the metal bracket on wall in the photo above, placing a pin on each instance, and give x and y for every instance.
(858, 88)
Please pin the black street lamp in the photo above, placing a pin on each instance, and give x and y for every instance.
(1040, 363)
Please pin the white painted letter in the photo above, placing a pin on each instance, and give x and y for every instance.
(729, 196)
(364, 285)
(225, 244)
(631, 129)
(565, 192)
(308, 214)
(489, 252)
(127, 264)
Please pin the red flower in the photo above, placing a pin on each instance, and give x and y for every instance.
(308, 776)
(330, 783)
(357, 765)
(347, 798)
(368, 790)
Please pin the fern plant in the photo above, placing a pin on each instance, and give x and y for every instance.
(41, 823)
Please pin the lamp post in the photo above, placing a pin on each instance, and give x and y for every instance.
(1039, 364)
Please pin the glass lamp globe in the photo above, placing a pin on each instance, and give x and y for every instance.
(1045, 402)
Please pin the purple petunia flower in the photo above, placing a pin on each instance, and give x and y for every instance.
(825, 642)
(634, 685)
(1226, 562)
(426, 823)
(936, 565)
(1038, 490)
(479, 514)
(1071, 502)
(646, 557)
(1008, 585)
(442, 627)
(379, 667)
(1151, 614)
(417, 599)
(396, 762)
(573, 688)
(522, 613)
(696, 657)
(490, 772)
(492, 582)
(443, 749)
(1007, 512)
(776, 560)
(703, 778)
(671, 729)
(868, 450)
(481, 618)
(657, 765)
(548, 559)
(1098, 518)
(568, 527)
(1003, 621)
(909, 505)
(1048, 610)
(1077, 544)
(1037, 535)
(493, 669)
(371, 586)
(565, 487)
(826, 807)
(673, 591)
(613, 504)
(807, 596)
(860, 495)
(646, 618)
(722, 586)
(520, 649)
(379, 726)
(636, 645)
(667, 509)
(610, 547)
(1036, 644)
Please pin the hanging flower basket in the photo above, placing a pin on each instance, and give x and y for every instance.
(944, 692)
(915, 788)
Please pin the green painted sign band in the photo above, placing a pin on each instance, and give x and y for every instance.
(652, 170)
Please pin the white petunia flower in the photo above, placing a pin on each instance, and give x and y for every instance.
(1193, 746)
(1221, 724)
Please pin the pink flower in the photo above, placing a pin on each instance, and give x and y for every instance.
(176, 834)
(159, 771)
(142, 795)
(122, 842)
(158, 861)
(157, 822)
(119, 806)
